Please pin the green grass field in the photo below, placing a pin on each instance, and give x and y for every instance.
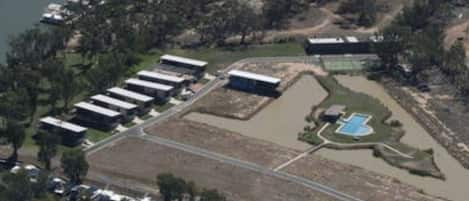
(360, 103)
(344, 65)
(218, 58)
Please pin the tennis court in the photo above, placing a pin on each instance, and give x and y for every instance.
(344, 63)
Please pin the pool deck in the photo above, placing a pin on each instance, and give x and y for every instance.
(328, 142)
(346, 122)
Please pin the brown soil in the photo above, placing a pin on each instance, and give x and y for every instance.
(241, 105)
(356, 180)
(143, 161)
(223, 141)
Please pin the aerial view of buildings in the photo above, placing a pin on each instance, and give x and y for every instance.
(234, 100)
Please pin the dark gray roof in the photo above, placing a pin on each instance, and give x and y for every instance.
(335, 110)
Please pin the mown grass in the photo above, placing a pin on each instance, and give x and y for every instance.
(217, 58)
(359, 103)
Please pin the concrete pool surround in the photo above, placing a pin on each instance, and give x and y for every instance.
(357, 132)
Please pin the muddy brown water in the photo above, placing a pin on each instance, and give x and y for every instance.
(281, 120)
(457, 183)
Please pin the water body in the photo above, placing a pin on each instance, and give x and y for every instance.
(18, 15)
(281, 120)
(457, 177)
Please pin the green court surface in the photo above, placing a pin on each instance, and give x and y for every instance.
(344, 65)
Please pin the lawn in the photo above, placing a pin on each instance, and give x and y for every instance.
(360, 103)
(217, 57)
(163, 107)
(421, 162)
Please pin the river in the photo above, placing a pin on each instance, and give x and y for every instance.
(18, 15)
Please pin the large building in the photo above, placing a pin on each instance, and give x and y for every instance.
(143, 102)
(70, 134)
(185, 66)
(339, 45)
(161, 92)
(176, 82)
(97, 116)
(127, 110)
(253, 82)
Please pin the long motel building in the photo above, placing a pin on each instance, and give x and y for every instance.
(174, 81)
(160, 92)
(127, 110)
(183, 65)
(70, 134)
(97, 116)
(144, 102)
(249, 81)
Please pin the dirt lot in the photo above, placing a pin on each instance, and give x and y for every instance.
(143, 161)
(364, 184)
(223, 141)
(241, 105)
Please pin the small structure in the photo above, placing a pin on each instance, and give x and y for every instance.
(176, 82)
(143, 102)
(71, 134)
(195, 68)
(97, 116)
(339, 45)
(248, 81)
(333, 113)
(128, 110)
(159, 91)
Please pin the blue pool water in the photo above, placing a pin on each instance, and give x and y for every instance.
(355, 126)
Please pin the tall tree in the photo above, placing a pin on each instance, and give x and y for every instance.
(48, 146)
(74, 165)
(15, 134)
(211, 195)
(171, 187)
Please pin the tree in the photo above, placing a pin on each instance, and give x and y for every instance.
(15, 135)
(366, 10)
(211, 195)
(108, 70)
(171, 187)
(276, 12)
(74, 165)
(48, 145)
(18, 187)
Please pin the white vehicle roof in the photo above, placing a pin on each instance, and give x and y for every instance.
(184, 60)
(97, 109)
(352, 39)
(114, 102)
(325, 40)
(63, 124)
(130, 94)
(151, 85)
(160, 76)
(254, 76)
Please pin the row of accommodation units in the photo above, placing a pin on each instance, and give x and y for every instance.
(341, 45)
(121, 105)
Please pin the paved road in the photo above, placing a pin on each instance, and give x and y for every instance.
(251, 166)
(138, 131)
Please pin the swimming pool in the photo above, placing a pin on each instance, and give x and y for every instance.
(355, 125)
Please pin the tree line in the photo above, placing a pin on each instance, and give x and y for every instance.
(110, 36)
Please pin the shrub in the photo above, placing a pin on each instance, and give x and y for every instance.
(396, 123)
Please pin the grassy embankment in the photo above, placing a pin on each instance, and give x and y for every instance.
(421, 162)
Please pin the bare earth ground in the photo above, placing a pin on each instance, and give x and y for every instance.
(143, 161)
(445, 117)
(350, 179)
(240, 105)
(364, 184)
(223, 141)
